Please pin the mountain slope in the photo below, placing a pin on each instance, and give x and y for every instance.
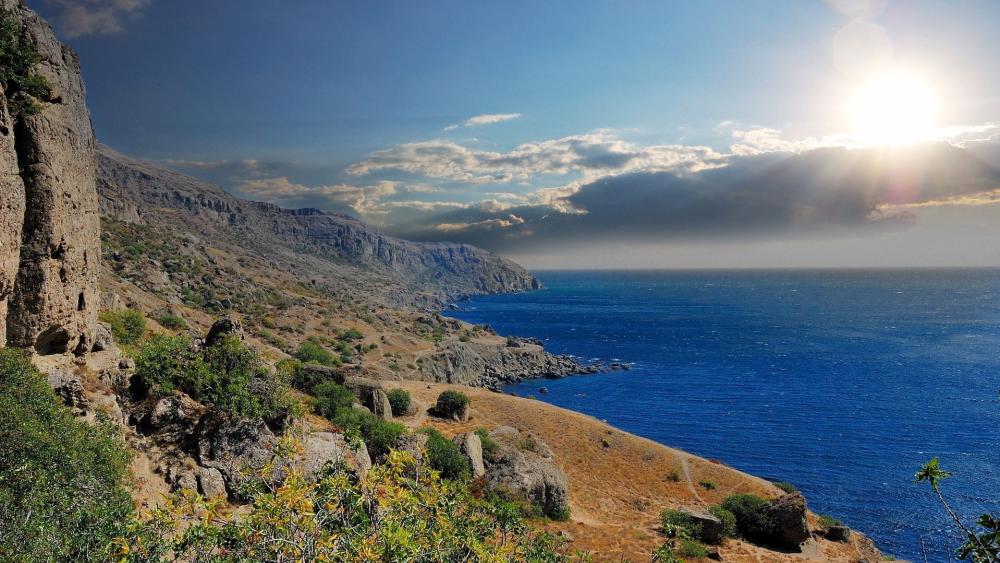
(425, 274)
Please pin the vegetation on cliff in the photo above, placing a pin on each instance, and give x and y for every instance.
(18, 57)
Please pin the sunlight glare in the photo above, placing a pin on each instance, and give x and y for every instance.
(893, 109)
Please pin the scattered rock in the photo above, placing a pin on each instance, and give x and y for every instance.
(173, 409)
(103, 339)
(543, 390)
(322, 448)
(838, 533)
(223, 328)
(69, 389)
(211, 483)
(711, 526)
(472, 446)
(525, 473)
(180, 478)
(235, 446)
(789, 511)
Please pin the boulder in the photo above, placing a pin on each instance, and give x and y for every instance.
(211, 484)
(415, 444)
(708, 523)
(380, 405)
(371, 394)
(472, 447)
(69, 389)
(789, 512)
(838, 533)
(235, 447)
(223, 328)
(174, 409)
(103, 340)
(181, 478)
(521, 472)
(323, 448)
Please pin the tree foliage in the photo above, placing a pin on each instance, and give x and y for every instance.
(982, 546)
(127, 325)
(18, 57)
(62, 481)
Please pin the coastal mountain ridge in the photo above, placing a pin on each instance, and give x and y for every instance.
(135, 191)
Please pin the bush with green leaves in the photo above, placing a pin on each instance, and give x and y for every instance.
(172, 322)
(312, 352)
(390, 515)
(753, 521)
(786, 486)
(331, 398)
(63, 493)
(380, 436)
(446, 457)
(22, 86)
(679, 524)
(451, 403)
(727, 518)
(228, 376)
(828, 521)
(400, 401)
(127, 325)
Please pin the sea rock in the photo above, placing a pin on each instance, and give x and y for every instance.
(789, 511)
(521, 472)
(49, 198)
(472, 446)
(493, 365)
(223, 328)
(211, 483)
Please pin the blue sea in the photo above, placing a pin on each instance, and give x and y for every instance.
(841, 382)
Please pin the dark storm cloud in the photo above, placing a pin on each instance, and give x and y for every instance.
(821, 191)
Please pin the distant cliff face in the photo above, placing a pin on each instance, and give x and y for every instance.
(49, 223)
(139, 192)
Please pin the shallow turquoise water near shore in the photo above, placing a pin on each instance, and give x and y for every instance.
(842, 382)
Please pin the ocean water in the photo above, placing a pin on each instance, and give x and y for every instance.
(841, 382)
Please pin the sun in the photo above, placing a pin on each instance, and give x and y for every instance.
(893, 109)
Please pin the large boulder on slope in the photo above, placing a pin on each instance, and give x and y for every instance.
(517, 470)
(789, 514)
(472, 447)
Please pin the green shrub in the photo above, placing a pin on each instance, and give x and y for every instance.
(331, 397)
(172, 322)
(400, 401)
(62, 481)
(490, 447)
(707, 484)
(127, 325)
(352, 334)
(228, 376)
(727, 518)
(679, 524)
(692, 548)
(828, 521)
(17, 69)
(311, 352)
(674, 475)
(786, 486)
(560, 514)
(450, 403)
(380, 436)
(752, 519)
(446, 457)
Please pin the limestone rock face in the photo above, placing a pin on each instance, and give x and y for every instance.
(48, 206)
(322, 448)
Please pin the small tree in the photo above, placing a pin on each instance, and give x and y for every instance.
(451, 404)
(980, 548)
(331, 398)
(18, 57)
(400, 401)
(127, 325)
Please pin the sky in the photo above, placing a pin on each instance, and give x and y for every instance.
(577, 134)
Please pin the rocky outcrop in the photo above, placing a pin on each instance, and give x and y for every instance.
(487, 365)
(472, 446)
(409, 272)
(524, 467)
(371, 395)
(48, 206)
(789, 514)
(326, 449)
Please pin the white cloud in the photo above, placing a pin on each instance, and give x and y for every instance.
(362, 199)
(485, 119)
(591, 155)
(76, 18)
(502, 223)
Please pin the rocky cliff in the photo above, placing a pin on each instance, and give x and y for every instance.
(49, 223)
(136, 191)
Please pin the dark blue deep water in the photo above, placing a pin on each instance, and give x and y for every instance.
(842, 382)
